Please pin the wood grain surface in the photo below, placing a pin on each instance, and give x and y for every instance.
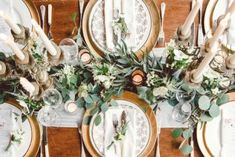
(65, 142)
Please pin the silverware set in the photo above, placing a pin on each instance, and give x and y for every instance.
(49, 19)
(200, 36)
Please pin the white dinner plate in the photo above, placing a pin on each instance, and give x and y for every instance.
(208, 135)
(97, 28)
(27, 136)
(96, 133)
(228, 39)
(20, 13)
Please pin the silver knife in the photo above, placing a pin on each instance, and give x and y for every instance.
(83, 154)
(200, 36)
(193, 27)
(79, 36)
(43, 13)
(49, 21)
(45, 142)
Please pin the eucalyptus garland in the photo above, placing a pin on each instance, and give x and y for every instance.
(93, 85)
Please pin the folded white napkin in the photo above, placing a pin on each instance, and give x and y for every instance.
(129, 15)
(126, 147)
(227, 132)
(6, 126)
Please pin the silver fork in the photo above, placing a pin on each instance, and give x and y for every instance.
(79, 36)
(43, 12)
(49, 21)
(161, 39)
(83, 154)
(200, 37)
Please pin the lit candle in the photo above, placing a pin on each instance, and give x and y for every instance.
(28, 86)
(70, 106)
(137, 77)
(13, 46)
(50, 48)
(219, 31)
(14, 27)
(85, 56)
(190, 19)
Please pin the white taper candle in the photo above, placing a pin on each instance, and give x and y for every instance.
(50, 48)
(28, 86)
(14, 27)
(13, 46)
(190, 19)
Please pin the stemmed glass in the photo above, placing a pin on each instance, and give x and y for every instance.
(70, 50)
(52, 99)
(182, 111)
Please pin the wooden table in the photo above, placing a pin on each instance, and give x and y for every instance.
(65, 142)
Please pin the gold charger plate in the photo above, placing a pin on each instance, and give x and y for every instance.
(201, 131)
(146, 48)
(35, 137)
(132, 97)
(33, 10)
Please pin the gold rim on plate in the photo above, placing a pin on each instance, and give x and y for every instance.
(150, 42)
(33, 10)
(35, 137)
(202, 132)
(131, 97)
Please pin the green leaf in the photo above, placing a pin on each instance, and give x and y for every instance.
(187, 133)
(205, 117)
(74, 16)
(186, 149)
(113, 103)
(97, 120)
(177, 133)
(204, 103)
(214, 110)
(104, 107)
(222, 100)
(88, 99)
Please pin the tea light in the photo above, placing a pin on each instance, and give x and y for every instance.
(85, 56)
(70, 106)
(13, 46)
(137, 77)
(14, 27)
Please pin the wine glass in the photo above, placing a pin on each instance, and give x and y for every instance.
(183, 110)
(70, 50)
(48, 114)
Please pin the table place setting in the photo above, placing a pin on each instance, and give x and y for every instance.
(107, 81)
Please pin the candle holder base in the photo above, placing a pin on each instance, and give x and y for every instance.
(55, 60)
(48, 84)
(23, 37)
(25, 61)
(137, 77)
(82, 53)
(229, 64)
(3, 69)
(189, 77)
(182, 37)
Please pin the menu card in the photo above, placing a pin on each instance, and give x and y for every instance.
(228, 132)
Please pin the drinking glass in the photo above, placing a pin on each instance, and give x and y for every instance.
(48, 114)
(70, 50)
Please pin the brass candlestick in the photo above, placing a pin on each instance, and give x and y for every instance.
(182, 37)
(23, 37)
(26, 59)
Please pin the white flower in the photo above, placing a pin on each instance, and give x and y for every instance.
(83, 90)
(151, 78)
(160, 91)
(224, 82)
(68, 70)
(105, 80)
(215, 91)
(179, 55)
(211, 74)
